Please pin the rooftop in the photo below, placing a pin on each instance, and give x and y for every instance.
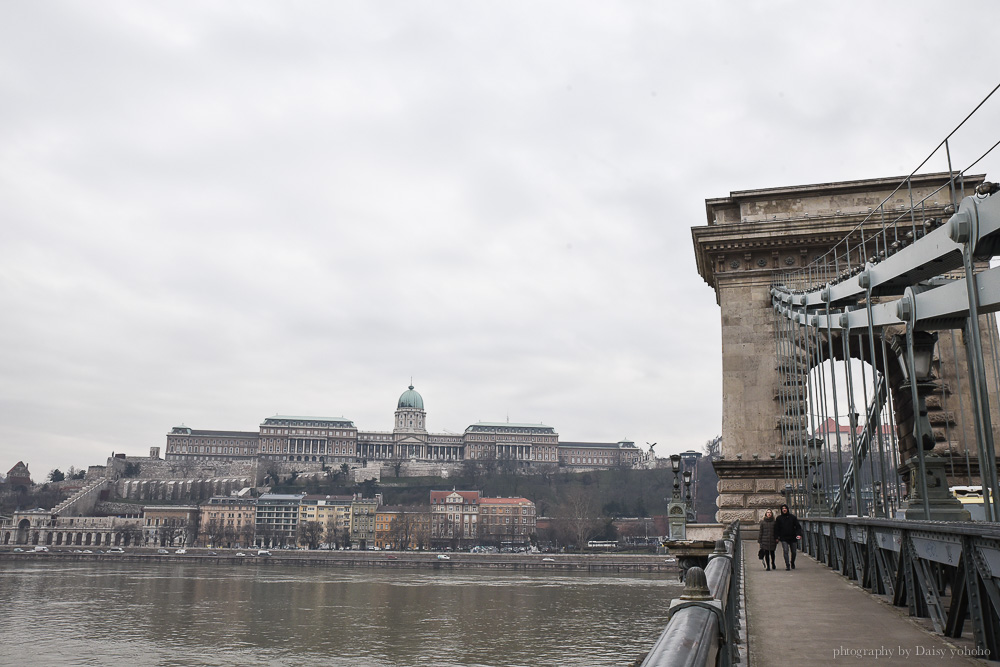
(509, 425)
(503, 501)
(344, 420)
(601, 445)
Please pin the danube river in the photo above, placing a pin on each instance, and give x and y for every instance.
(108, 613)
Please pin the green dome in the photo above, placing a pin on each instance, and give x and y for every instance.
(411, 399)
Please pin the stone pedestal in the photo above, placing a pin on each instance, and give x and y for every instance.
(943, 505)
(747, 489)
(690, 553)
(677, 520)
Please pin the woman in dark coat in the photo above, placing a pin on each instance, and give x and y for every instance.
(767, 539)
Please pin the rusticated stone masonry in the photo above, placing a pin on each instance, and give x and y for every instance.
(747, 489)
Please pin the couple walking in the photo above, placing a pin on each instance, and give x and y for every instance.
(786, 530)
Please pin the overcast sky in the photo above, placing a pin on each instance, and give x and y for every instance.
(217, 212)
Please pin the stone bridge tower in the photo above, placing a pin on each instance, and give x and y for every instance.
(752, 236)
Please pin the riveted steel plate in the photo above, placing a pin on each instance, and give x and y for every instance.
(841, 531)
(889, 539)
(826, 529)
(936, 547)
(859, 534)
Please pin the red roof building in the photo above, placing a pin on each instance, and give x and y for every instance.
(830, 429)
(454, 518)
(19, 475)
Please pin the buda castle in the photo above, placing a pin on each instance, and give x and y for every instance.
(334, 441)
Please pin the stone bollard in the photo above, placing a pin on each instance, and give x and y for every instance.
(696, 585)
(720, 549)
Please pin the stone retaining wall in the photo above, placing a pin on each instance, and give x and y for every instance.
(176, 490)
(117, 509)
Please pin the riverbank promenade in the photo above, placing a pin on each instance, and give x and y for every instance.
(814, 616)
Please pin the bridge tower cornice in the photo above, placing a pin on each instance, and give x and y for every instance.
(784, 229)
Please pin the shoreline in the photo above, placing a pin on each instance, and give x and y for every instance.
(657, 563)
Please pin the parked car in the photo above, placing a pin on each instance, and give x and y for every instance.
(18, 550)
(548, 560)
(162, 551)
(116, 550)
(444, 557)
(241, 554)
(40, 549)
(263, 552)
(181, 551)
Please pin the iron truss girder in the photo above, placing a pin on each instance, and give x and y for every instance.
(946, 571)
(977, 223)
(985, 562)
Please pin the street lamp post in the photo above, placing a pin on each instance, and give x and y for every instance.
(676, 511)
(687, 495)
(877, 499)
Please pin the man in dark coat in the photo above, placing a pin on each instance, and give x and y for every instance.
(789, 532)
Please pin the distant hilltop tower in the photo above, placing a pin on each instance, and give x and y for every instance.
(410, 415)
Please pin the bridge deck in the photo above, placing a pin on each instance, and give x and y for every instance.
(814, 616)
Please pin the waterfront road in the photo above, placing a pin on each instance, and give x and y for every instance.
(814, 616)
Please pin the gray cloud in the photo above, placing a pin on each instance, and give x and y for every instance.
(215, 213)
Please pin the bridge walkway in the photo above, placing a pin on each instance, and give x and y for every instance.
(814, 616)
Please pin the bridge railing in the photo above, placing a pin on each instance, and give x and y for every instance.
(948, 572)
(703, 625)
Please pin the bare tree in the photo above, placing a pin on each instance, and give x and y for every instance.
(184, 468)
(578, 517)
(310, 533)
(177, 531)
(402, 529)
(265, 534)
(508, 467)
(345, 537)
(471, 472)
(216, 532)
(247, 534)
(332, 532)
(488, 463)
(397, 460)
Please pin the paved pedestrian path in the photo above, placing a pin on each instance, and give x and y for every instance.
(814, 616)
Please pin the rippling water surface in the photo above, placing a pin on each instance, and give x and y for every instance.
(107, 613)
